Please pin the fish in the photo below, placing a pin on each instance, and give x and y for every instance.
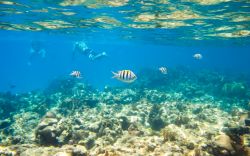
(163, 70)
(76, 74)
(126, 76)
(197, 56)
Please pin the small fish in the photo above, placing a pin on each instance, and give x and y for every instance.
(76, 74)
(163, 70)
(197, 56)
(125, 76)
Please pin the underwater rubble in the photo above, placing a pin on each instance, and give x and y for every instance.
(184, 113)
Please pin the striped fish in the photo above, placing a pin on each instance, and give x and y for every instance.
(125, 76)
(163, 70)
(76, 74)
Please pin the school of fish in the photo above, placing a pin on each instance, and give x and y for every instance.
(128, 76)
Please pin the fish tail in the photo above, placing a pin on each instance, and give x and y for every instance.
(114, 74)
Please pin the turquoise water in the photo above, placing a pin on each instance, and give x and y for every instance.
(199, 106)
(232, 58)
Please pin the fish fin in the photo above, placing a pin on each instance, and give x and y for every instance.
(114, 74)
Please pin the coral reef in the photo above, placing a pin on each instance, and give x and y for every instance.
(75, 119)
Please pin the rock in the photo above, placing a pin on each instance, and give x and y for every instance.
(16, 139)
(52, 131)
(79, 135)
(63, 154)
(151, 146)
(46, 131)
(195, 152)
(47, 122)
(190, 145)
(224, 142)
(47, 136)
(90, 143)
(181, 120)
(154, 118)
(6, 152)
(38, 151)
(64, 137)
(77, 150)
(124, 123)
(169, 134)
(134, 130)
(33, 150)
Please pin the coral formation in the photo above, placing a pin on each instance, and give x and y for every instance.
(154, 118)
(224, 143)
(74, 119)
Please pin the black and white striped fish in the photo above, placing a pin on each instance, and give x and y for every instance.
(163, 70)
(76, 74)
(125, 76)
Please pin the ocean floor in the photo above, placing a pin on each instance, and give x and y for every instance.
(181, 114)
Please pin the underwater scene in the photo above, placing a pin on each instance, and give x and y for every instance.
(124, 78)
